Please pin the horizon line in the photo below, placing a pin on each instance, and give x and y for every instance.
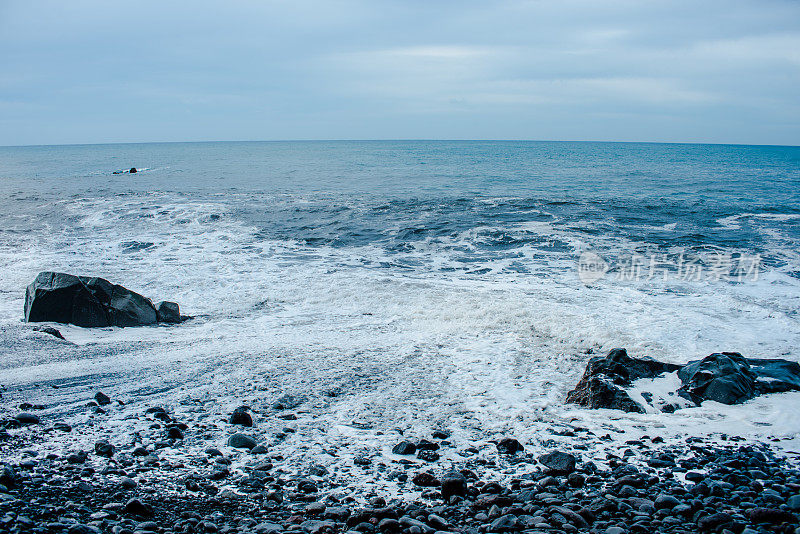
(397, 140)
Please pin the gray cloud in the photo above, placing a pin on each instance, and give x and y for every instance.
(92, 71)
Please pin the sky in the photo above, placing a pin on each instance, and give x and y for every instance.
(98, 71)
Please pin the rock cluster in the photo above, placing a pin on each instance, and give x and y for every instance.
(92, 302)
(606, 377)
(681, 489)
(725, 377)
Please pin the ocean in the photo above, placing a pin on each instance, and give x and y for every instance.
(405, 284)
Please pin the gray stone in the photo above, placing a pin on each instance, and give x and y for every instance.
(505, 523)
(558, 463)
(241, 441)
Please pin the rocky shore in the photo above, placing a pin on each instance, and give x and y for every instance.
(645, 485)
(147, 464)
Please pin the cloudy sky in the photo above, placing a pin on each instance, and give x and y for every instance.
(89, 71)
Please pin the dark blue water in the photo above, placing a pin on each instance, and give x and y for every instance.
(396, 194)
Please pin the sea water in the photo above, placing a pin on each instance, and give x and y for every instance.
(405, 284)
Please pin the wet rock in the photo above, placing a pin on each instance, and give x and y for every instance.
(80, 528)
(137, 508)
(509, 446)
(573, 517)
(77, 457)
(307, 486)
(427, 455)
(49, 330)
(605, 379)
(404, 447)
(713, 521)
(558, 463)
(174, 432)
(453, 483)
(775, 375)
(665, 502)
(241, 441)
(168, 312)
(771, 515)
(104, 448)
(26, 419)
(506, 523)
(85, 301)
(387, 524)
(288, 402)
(426, 480)
(724, 377)
(411, 523)
(240, 416)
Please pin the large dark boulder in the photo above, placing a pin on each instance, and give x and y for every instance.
(730, 378)
(606, 377)
(775, 376)
(85, 301)
(724, 377)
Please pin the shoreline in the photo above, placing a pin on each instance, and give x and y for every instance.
(649, 486)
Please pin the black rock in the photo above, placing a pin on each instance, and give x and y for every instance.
(77, 457)
(571, 516)
(133, 170)
(606, 377)
(174, 432)
(241, 441)
(49, 330)
(506, 523)
(26, 419)
(509, 446)
(102, 399)
(137, 508)
(424, 444)
(427, 455)
(772, 515)
(425, 479)
(453, 483)
(775, 376)
(240, 416)
(8, 477)
(714, 521)
(724, 377)
(558, 463)
(307, 486)
(404, 448)
(104, 448)
(666, 502)
(168, 312)
(85, 301)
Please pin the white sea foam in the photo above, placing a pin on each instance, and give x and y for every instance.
(414, 349)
